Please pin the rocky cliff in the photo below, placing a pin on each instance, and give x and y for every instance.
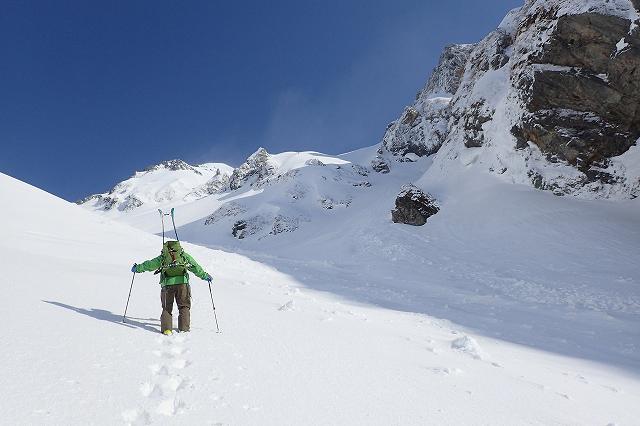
(422, 127)
(549, 99)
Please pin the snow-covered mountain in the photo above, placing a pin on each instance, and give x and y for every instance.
(491, 106)
(548, 99)
(170, 182)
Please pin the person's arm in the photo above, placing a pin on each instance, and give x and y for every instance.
(149, 265)
(195, 268)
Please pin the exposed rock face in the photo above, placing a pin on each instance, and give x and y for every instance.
(379, 164)
(100, 201)
(422, 127)
(130, 203)
(413, 206)
(549, 99)
(256, 170)
(239, 229)
(230, 209)
(582, 102)
(217, 183)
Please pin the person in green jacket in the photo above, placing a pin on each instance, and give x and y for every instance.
(173, 265)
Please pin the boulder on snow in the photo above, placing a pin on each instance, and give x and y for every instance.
(413, 206)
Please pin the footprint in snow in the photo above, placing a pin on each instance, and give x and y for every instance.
(445, 371)
(248, 407)
(173, 384)
(433, 350)
(289, 306)
(469, 346)
(163, 354)
(159, 370)
(170, 407)
(180, 363)
(149, 390)
(612, 389)
(178, 350)
(136, 417)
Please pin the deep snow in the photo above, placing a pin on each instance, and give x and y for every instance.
(510, 306)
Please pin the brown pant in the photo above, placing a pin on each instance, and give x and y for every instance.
(182, 295)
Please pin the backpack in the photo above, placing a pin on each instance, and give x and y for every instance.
(174, 264)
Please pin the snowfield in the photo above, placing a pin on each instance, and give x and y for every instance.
(509, 307)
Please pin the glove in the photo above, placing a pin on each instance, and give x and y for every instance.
(208, 278)
(134, 267)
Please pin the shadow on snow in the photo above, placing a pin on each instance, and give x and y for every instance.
(104, 315)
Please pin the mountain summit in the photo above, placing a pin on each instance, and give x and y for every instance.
(168, 182)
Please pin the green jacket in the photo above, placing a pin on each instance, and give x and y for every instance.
(155, 263)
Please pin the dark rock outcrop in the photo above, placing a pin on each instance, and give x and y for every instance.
(582, 93)
(551, 98)
(130, 203)
(413, 206)
(239, 229)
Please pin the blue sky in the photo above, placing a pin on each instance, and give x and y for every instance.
(92, 91)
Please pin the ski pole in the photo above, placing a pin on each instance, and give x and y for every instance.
(214, 308)
(127, 307)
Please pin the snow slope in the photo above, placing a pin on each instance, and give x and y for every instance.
(483, 318)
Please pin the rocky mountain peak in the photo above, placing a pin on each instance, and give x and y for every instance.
(254, 171)
(173, 165)
(422, 127)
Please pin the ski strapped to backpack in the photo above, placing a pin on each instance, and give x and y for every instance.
(174, 263)
(162, 215)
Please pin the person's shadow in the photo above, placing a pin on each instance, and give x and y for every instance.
(109, 316)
